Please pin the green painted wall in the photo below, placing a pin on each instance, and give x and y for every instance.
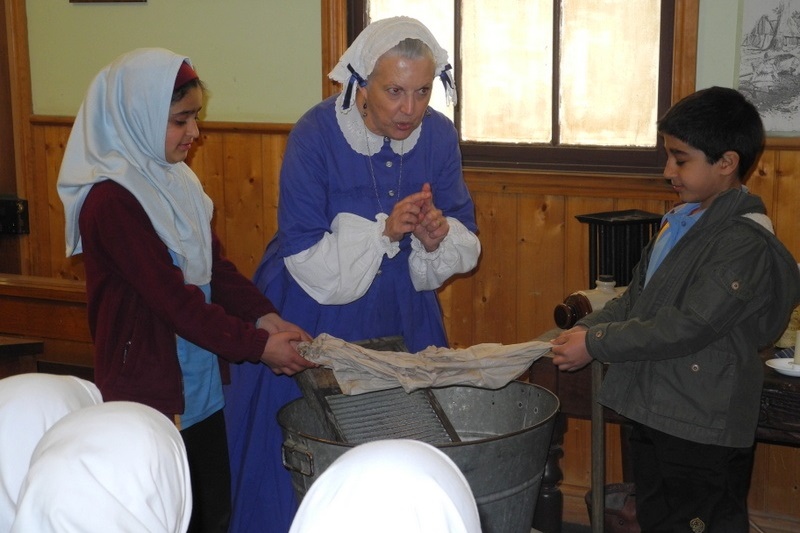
(261, 59)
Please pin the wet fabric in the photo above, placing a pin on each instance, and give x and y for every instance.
(359, 370)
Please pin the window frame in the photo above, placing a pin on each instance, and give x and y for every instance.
(678, 54)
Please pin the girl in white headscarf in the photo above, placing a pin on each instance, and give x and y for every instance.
(29, 405)
(391, 486)
(118, 466)
(163, 302)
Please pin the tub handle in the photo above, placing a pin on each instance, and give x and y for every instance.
(297, 458)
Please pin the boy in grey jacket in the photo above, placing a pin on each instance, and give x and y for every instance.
(710, 290)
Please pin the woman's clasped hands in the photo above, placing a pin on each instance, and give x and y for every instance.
(417, 214)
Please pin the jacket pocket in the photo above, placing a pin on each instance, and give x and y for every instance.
(695, 389)
(718, 302)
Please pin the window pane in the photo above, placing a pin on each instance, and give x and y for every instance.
(595, 75)
(609, 72)
(506, 71)
(438, 16)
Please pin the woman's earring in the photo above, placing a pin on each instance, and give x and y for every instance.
(364, 107)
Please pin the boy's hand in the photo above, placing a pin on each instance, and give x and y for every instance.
(569, 350)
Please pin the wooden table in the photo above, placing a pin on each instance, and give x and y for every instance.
(779, 421)
(18, 355)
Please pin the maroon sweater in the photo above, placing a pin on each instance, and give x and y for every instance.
(138, 302)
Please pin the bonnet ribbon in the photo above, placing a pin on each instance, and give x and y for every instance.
(355, 77)
(445, 77)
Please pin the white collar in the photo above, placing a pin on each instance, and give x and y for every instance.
(361, 139)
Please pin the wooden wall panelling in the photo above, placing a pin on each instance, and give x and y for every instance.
(53, 310)
(577, 236)
(243, 208)
(55, 144)
(684, 55)
(273, 146)
(39, 244)
(207, 160)
(446, 293)
(540, 254)
(457, 298)
(334, 40)
(8, 182)
(762, 180)
(20, 102)
(784, 208)
(497, 269)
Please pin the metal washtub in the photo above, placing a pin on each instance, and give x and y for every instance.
(498, 438)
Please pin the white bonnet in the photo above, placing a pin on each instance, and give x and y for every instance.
(379, 37)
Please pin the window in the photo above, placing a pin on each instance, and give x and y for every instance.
(558, 84)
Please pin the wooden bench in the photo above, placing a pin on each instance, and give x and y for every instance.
(52, 311)
(18, 355)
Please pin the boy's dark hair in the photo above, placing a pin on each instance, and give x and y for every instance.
(717, 120)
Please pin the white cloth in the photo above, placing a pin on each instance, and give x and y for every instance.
(340, 268)
(359, 370)
(391, 486)
(117, 466)
(119, 134)
(378, 38)
(29, 405)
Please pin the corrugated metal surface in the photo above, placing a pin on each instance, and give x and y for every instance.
(389, 414)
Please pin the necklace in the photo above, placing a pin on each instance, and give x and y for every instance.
(394, 191)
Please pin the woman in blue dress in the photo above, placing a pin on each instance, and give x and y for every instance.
(374, 216)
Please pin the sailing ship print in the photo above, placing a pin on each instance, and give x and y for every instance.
(769, 67)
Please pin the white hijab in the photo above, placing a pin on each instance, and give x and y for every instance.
(119, 135)
(117, 466)
(392, 486)
(29, 405)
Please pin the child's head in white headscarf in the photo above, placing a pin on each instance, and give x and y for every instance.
(119, 134)
(117, 466)
(392, 486)
(29, 405)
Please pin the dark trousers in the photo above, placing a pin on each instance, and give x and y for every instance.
(686, 486)
(209, 466)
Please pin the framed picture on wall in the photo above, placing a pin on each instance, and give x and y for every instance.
(769, 62)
